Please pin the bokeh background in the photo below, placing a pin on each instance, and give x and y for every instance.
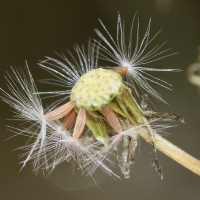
(33, 29)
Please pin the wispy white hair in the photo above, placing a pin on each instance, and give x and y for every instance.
(83, 151)
(115, 143)
(68, 71)
(121, 53)
(25, 101)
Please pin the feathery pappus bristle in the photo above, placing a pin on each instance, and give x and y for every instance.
(68, 71)
(121, 53)
(63, 147)
(25, 101)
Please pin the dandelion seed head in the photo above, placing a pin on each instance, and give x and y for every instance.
(102, 103)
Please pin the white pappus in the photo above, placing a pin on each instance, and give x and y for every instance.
(28, 109)
(122, 54)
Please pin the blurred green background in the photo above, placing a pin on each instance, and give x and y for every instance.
(33, 29)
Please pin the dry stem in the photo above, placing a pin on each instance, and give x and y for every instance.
(172, 151)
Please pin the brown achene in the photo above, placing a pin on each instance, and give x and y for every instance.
(112, 118)
(60, 112)
(120, 70)
(68, 120)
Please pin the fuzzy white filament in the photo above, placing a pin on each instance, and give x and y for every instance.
(122, 55)
(68, 72)
(62, 147)
(115, 144)
(28, 108)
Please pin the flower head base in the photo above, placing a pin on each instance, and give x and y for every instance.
(96, 88)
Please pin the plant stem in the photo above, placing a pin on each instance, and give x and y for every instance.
(172, 151)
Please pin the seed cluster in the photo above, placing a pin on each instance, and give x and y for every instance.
(96, 88)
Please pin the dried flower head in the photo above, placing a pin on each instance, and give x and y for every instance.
(99, 115)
